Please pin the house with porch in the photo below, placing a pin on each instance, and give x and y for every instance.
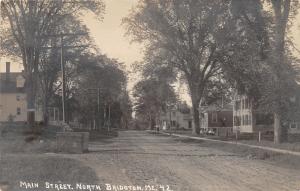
(248, 120)
(218, 118)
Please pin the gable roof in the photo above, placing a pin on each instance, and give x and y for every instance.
(8, 83)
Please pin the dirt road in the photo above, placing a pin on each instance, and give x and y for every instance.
(140, 158)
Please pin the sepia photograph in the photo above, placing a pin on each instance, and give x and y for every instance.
(149, 95)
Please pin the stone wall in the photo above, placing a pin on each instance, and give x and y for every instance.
(72, 142)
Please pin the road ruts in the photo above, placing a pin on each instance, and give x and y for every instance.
(140, 158)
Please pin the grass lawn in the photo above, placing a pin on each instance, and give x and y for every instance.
(293, 144)
(284, 160)
(42, 168)
(31, 158)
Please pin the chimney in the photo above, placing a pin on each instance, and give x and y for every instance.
(7, 70)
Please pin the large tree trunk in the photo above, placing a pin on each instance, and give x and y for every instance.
(196, 127)
(277, 129)
(30, 96)
(280, 132)
(45, 109)
(195, 96)
(281, 10)
(30, 87)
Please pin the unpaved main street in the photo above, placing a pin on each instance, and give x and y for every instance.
(141, 158)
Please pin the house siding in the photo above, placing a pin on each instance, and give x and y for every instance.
(9, 105)
(13, 103)
(245, 118)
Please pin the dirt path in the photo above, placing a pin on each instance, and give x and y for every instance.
(139, 158)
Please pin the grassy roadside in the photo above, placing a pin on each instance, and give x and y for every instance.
(278, 159)
(42, 168)
(292, 145)
(16, 138)
(274, 158)
(25, 156)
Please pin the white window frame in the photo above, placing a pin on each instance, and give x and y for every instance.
(293, 123)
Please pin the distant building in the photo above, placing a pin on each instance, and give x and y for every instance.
(178, 117)
(217, 118)
(13, 103)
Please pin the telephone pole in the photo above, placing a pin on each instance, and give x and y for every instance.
(62, 64)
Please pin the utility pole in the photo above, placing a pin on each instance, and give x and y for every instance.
(62, 64)
(98, 106)
(98, 101)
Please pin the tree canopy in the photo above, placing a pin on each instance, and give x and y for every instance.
(186, 35)
(26, 26)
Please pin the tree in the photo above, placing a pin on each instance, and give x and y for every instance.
(100, 90)
(152, 97)
(282, 11)
(154, 93)
(187, 35)
(274, 74)
(27, 22)
(126, 110)
(50, 61)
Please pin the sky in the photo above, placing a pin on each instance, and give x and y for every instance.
(109, 34)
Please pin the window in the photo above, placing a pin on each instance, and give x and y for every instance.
(18, 97)
(18, 111)
(237, 120)
(246, 103)
(249, 120)
(214, 118)
(243, 104)
(293, 125)
(237, 105)
(173, 123)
